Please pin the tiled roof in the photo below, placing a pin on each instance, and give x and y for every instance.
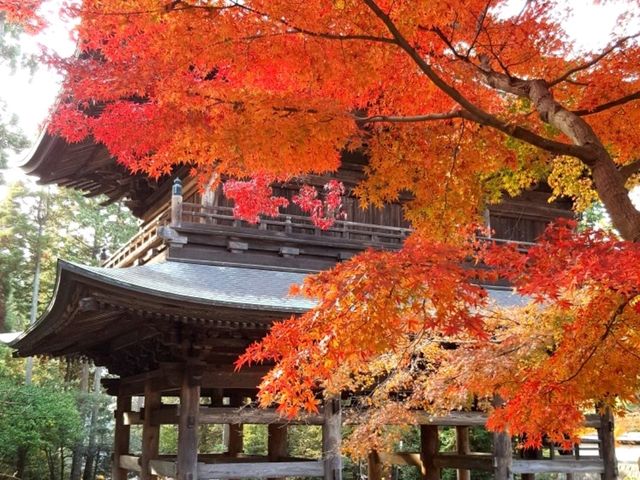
(239, 287)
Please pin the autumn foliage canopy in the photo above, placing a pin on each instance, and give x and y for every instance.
(455, 103)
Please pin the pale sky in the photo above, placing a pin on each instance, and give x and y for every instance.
(30, 97)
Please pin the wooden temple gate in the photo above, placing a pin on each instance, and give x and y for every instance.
(190, 382)
(171, 311)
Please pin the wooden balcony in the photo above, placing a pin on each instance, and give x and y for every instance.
(285, 235)
(296, 226)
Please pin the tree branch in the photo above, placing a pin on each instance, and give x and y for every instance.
(605, 106)
(607, 331)
(473, 112)
(311, 33)
(593, 61)
(629, 169)
(410, 119)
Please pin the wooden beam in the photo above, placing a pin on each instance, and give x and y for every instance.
(463, 448)
(120, 437)
(245, 378)
(167, 468)
(462, 419)
(332, 439)
(471, 461)
(557, 466)
(132, 418)
(150, 432)
(169, 376)
(187, 462)
(262, 470)
(429, 448)
(130, 463)
(230, 415)
(404, 458)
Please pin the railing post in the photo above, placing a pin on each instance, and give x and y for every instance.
(608, 446)
(502, 450)
(120, 436)
(332, 439)
(187, 461)
(463, 448)
(429, 448)
(176, 203)
(150, 431)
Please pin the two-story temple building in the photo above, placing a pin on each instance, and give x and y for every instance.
(169, 313)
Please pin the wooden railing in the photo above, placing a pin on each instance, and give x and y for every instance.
(582, 459)
(296, 225)
(367, 233)
(140, 245)
(191, 214)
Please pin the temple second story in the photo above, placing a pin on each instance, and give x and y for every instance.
(181, 221)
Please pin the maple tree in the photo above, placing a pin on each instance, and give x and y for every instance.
(454, 103)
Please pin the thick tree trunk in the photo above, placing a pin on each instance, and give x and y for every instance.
(609, 184)
(607, 179)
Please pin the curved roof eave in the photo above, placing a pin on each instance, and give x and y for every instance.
(255, 290)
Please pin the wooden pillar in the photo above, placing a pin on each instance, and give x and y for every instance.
(374, 466)
(120, 437)
(429, 448)
(187, 463)
(150, 432)
(608, 446)
(277, 443)
(235, 439)
(463, 448)
(235, 443)
(332, 439)
(502, 453)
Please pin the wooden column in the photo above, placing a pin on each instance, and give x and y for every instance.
(277, 443)
(502, 456)
(235, 443)
(120, 437)
(463, 448)
(374, 466)
(150, 432)
(608, 446)
(429, 448)
(235, 440)
(187, 462)
(332, 439)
